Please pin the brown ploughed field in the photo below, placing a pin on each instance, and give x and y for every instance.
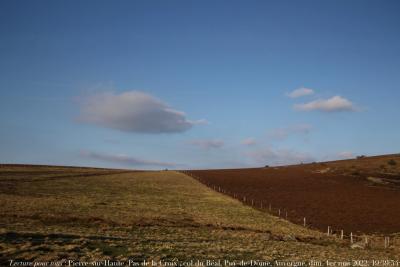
(360, 195)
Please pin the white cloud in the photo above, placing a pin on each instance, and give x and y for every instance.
(249, 141)
(126, 160)
(283, 133)
(270, 156)
(333, 104)
(134, 111)
(207, 144)
(346, 155)
(300, 92)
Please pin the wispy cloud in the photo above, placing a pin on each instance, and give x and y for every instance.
(283, 133)
(346, 155)
(126, 160)
(134, 111)
(111, 141)
(207, 144)
(333, 104)
(269, 156)
(300, 92)
(249, 141)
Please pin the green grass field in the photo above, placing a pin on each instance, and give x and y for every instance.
(148, 215)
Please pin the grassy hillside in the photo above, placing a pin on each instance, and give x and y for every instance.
(146, 215)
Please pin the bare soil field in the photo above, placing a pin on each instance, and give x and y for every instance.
(359, 196)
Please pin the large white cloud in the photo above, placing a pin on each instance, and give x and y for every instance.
(333, 104)
(300, 92)
(125, 160)
(134, 111)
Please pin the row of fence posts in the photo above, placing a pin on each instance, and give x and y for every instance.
(245, 200)
(367, 240)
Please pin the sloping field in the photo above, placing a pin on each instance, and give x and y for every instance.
(359, 196)
(146, 215)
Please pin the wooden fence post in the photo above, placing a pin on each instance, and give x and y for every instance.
(387, 241)
(328, 230)
(341, 234)
(304, 221)
(351, 238)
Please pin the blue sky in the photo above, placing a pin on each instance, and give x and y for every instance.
(197, 84)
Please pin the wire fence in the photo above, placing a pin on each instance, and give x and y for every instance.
(361, 240)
